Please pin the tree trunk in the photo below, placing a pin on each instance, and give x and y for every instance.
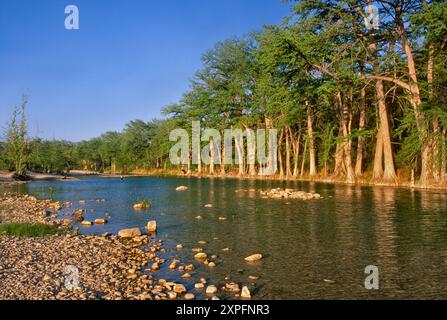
(303, 162)
(312, 161)
(346, 145)
(211, 157)
(281, 167)
(240, 151)
(222, 158)
(384, 170)
(288, 165)
(339, 168)
(362, 124)
(296, 154)
(420, 118)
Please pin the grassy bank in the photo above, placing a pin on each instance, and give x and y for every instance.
(28, 229)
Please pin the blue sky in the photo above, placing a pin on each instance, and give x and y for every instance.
(127, 61)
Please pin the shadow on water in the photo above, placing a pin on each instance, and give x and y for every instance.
(312, 249)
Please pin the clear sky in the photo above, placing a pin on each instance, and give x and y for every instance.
(128, 59)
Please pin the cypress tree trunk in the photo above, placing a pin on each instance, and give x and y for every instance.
(281, 167)
(362, 124)
(312, 163)
(222, 158)
(296, 155)
(304, 159)
(240, 151)
(211, 157)
(384, 170)
(288, 165)
(416, 101)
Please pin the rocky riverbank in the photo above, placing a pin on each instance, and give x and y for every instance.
(107, 267)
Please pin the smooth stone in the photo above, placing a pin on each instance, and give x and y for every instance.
(100, 221)
(253, 258)
(86, 223)
(155, 266)
(130, 233)
(172, 295)
(189, 296)
(211, 290)
(179, 288)
(245, 293)
(199, 285)
(152, 226)
(201, 256)
(182, 188)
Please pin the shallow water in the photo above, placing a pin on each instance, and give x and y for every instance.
(304, 243)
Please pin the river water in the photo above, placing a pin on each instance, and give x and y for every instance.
(314, 249)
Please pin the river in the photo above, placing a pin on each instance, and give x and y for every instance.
(314, 249)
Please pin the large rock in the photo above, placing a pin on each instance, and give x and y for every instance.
(129, 233)
(152, 226)
(254, 258)
(201, 256)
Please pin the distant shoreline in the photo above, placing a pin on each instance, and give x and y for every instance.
(76, 174)
(327, 180)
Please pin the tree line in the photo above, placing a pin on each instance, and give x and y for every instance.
(353, 99)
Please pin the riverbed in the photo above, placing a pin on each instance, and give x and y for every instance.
(315, 249)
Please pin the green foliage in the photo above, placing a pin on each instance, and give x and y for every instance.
(28, 229)
(15, 146)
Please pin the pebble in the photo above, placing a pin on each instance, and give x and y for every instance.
(211, 289)
(155, 266)
(199, 285)
(253, 258)
(201, 256)
(245, 293)
(189, 296)
(152, 226)
(172, 295)
(179, 288)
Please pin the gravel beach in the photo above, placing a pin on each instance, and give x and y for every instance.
(108, 267)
